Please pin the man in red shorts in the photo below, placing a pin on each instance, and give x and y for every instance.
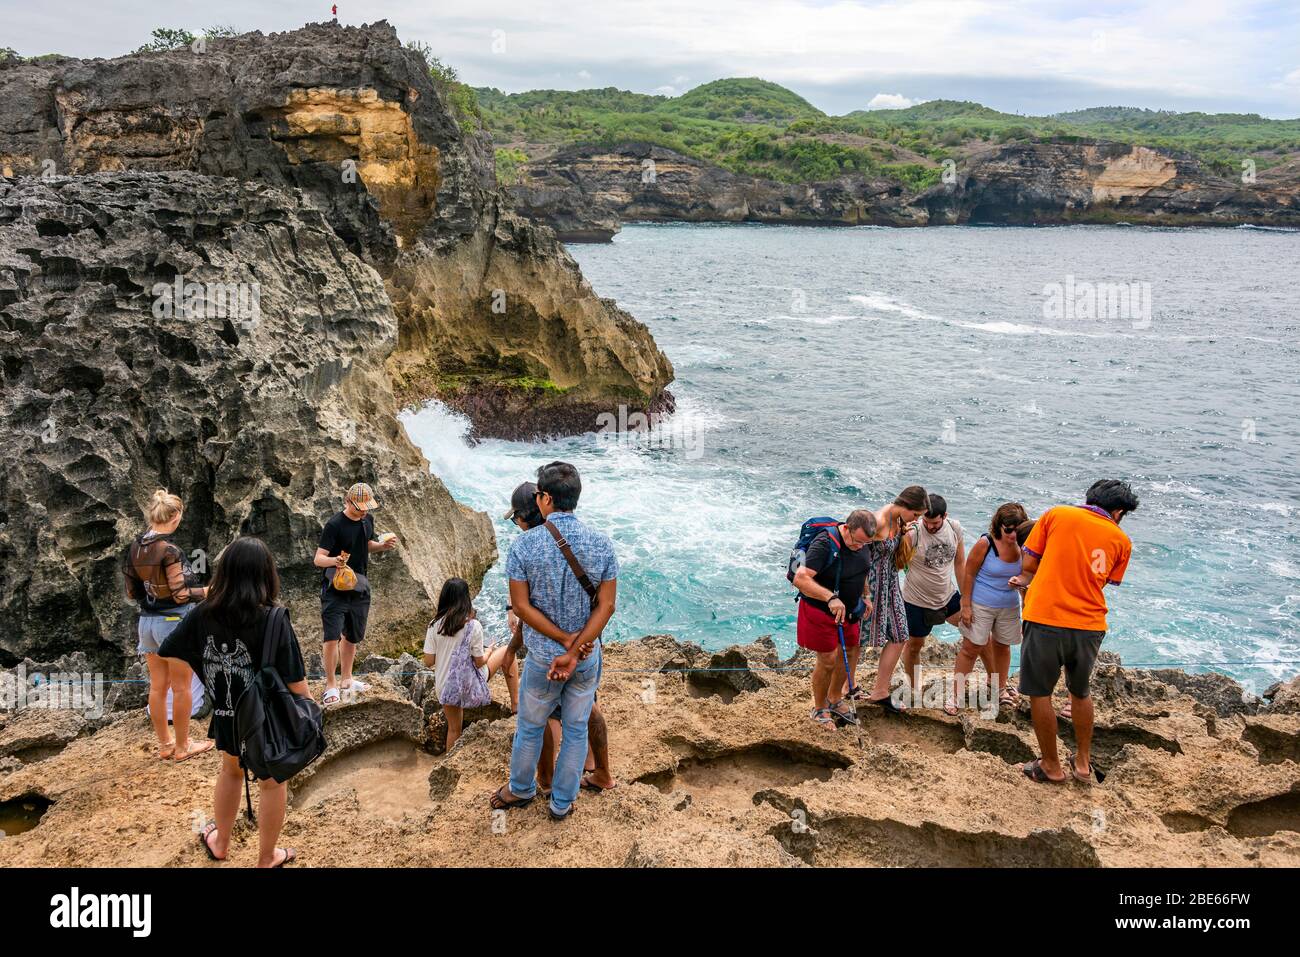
(831, 583)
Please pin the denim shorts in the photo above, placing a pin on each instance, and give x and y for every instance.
(154, 628)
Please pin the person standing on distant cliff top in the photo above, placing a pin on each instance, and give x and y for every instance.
(1070, 556)
(346, 542)
(563, 586)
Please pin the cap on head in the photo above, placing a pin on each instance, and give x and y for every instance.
(361, 496)
(522, 500)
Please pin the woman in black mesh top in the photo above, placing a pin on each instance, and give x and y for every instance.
(160, 581)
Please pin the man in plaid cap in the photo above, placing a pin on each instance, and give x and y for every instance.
(343, 612)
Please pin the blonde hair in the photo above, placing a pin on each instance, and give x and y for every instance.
(163, 507)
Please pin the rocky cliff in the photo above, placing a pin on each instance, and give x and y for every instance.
(718, 766)
(492, 313)
(585, 193)
(258, 395)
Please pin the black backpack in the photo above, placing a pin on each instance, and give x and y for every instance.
(279, 732)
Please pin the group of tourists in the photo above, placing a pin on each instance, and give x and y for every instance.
(887, 576)
(891, 575)
(563, 587)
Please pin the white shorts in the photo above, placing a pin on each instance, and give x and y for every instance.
(1002, 623)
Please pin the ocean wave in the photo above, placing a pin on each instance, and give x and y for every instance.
(1268, 229)
(887, 304)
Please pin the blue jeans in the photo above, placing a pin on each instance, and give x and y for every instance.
(537, 699)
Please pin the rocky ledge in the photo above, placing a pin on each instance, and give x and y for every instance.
(716, 768)
(585, 193)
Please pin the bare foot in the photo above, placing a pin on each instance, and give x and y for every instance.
(598, 781)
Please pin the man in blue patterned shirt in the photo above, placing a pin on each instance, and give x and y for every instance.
(562, 623)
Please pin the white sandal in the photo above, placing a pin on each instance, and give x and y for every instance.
(331, 696)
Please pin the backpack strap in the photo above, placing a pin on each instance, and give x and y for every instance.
(273, 617)
(833, 535)
(272, 632)
(575, 566)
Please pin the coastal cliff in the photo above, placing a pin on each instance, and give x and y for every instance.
(718, 766)
(585, 193)
(351, 118)
(258, 411)
(351, 255)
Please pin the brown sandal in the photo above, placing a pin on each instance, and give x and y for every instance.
(193, 750)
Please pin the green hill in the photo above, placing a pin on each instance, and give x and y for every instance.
(748, 100)
(760, 128)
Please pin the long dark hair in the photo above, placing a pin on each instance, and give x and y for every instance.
(244, 583)
(454, 606)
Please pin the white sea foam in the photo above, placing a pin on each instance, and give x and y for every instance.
(667, 516)
(886, 304)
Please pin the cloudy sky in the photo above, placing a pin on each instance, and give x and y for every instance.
(1027, 57)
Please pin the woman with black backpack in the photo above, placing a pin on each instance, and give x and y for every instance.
(224, 640)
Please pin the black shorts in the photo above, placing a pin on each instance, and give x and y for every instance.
(921, 620)
(1047, 649)
(344, 614)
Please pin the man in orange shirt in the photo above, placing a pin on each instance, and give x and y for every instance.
(1073, 552)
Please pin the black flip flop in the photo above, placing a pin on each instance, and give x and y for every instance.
(290, 855)
(887, 703)
(561, 817)
(587, 785)
(1034, 771)
(507, 805)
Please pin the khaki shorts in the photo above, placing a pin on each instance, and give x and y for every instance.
(1002, 623)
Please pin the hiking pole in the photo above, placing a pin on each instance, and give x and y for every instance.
(848, 680)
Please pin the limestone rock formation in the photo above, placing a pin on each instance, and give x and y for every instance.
(488, 305)
(1103, 182)
(718, 777)
(258, 402)
(586, 192)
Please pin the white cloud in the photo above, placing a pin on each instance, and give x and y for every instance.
(1222, 53)
(584, 74)
(889, 101)
(666, 90)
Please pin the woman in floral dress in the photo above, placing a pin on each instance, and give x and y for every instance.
(886, 629)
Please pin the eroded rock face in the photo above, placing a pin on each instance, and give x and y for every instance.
(259, 419)
(707, 780)
(585, 193)
(484, 300)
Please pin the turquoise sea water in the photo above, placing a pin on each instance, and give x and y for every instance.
(823, 369)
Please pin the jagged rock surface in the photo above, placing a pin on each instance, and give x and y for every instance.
(257, 419)
(586, 192)
(484, 300)
(711, 776)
